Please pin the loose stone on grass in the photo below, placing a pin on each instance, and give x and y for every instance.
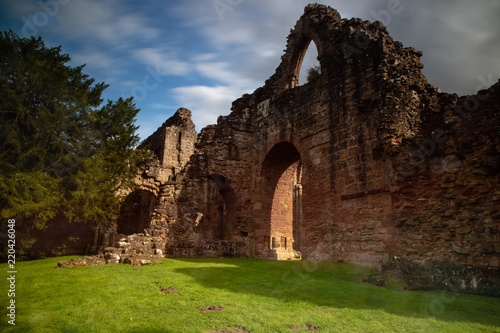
(375, 280)
(85, 261)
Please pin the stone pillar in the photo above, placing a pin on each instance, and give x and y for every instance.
(297, 216)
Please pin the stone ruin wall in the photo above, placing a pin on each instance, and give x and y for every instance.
(141, 228)
(149, 206)
(368, 164)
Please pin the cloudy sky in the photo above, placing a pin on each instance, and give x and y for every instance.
(203, 54)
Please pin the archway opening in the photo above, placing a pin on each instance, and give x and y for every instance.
(308, 66)
(281, 203)
(136, 212)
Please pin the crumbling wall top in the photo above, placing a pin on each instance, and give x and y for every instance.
(173, 142)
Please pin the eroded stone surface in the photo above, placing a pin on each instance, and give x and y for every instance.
(135, 250)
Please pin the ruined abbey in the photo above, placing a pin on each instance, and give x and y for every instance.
(367, 164)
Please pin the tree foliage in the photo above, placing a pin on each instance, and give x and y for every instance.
(62, 151)
(313, 73)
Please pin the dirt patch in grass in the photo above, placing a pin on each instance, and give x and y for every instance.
(308, 327)
(169, 290)
(212, 308)
(231, 330)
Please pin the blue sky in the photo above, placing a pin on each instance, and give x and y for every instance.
(203, 54)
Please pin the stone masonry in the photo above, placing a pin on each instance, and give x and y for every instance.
(368, 164)
(139, 235)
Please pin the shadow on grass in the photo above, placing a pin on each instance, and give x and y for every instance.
(338, 285)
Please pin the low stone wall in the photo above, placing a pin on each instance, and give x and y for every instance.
(208, 249)
(136, 249)
(430, 274)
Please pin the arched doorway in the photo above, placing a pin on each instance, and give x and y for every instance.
(136, 212)
(280, 199)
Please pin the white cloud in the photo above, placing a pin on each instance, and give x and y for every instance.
(99, 60)
(161, 106)
(268, 50)
(101, 34)
(459, 40)
(105, 21)
(22, 8)
(130, 83)
(161, 61)
(248, 41)
(222, 72)
(207, 103)
(204, 57)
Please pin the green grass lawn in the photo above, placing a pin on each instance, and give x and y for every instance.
(257, 295)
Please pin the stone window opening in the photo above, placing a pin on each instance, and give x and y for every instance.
(308, 68)
(179, 147)
(180, 140)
